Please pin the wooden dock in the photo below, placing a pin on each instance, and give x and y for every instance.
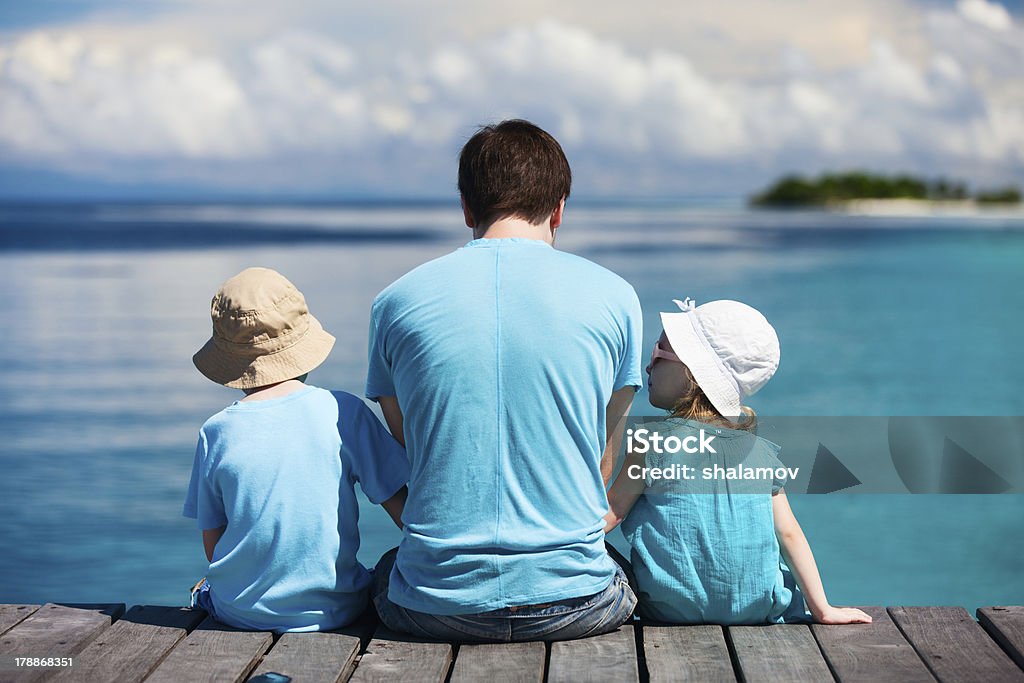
(107, 643)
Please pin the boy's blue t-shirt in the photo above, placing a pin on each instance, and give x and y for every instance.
(280, 474)
(503, 356)
(705, 551)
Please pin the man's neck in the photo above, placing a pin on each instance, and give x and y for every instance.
(504, 228)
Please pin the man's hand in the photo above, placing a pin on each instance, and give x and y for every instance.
(624, 493)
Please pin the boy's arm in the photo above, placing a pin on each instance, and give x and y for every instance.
(797, 553)
(396, 504)
(618, 408)
(624, 492)
(210, 538)
(377, 457)
(393, 416)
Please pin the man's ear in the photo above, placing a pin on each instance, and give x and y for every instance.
(470, 222)
(556, 215)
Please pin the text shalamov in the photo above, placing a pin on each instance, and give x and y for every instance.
(644, 441)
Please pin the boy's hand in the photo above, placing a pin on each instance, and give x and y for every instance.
(842, 615)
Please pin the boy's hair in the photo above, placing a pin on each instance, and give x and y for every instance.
(695, 405)
(513, 169)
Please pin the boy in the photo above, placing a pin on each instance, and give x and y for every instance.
(272, 485)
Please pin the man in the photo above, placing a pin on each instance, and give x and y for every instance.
(505, 368)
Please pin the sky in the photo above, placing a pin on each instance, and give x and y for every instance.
(325, 99)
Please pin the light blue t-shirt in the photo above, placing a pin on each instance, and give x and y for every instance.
(705, 551)
(280, 474)
(503, 356)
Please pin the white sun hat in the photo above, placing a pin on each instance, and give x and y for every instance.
(729, 347)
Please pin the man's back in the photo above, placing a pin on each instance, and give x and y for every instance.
(503, 356)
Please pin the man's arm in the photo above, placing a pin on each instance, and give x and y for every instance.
(393, 416)
(627, 488)
(395, 504)
(618, 408)
(210, 538)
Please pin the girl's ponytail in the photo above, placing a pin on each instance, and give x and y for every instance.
(695, 405)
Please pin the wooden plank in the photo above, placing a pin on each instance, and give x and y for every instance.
(779, 652)
(134, 646)
(329, 656)
(870, 652)
(55, 631)
(311, 656)
(12, 615)
(363, 628)
(500, 663)
(1006, 625)
(953, 645)
(608, 657)
(392, 656)
(58, 630)
(687, 653)
(213, 652)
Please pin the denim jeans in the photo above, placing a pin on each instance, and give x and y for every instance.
(200, 598)
(589, 615)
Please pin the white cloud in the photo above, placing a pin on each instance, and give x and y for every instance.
(991, 15)
(82, 97)
(452, 68)
(52, 58)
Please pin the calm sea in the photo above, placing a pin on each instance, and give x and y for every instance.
(105, 304)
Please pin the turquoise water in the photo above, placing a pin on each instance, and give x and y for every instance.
(104, 306)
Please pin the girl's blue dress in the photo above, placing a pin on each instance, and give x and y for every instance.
(704, 551)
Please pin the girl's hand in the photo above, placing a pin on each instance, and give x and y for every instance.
(842, 615)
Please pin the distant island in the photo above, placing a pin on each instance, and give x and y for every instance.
(832, 189)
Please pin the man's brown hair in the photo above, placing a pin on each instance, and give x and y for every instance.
(513, 169)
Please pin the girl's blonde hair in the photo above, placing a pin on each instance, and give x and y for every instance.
(695, 405)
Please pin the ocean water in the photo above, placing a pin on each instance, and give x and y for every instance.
(105, 304)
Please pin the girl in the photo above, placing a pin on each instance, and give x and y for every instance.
(705, 549)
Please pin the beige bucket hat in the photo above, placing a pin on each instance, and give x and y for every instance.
(263, 332)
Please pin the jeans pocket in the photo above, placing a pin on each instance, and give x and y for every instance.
(470, 627)
(558, 609)
(390, 614)
(618, 584)
(619, 611)
(473, 627)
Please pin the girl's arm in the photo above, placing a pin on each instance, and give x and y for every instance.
(624, 492)
(797, 553)
(210, 538)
